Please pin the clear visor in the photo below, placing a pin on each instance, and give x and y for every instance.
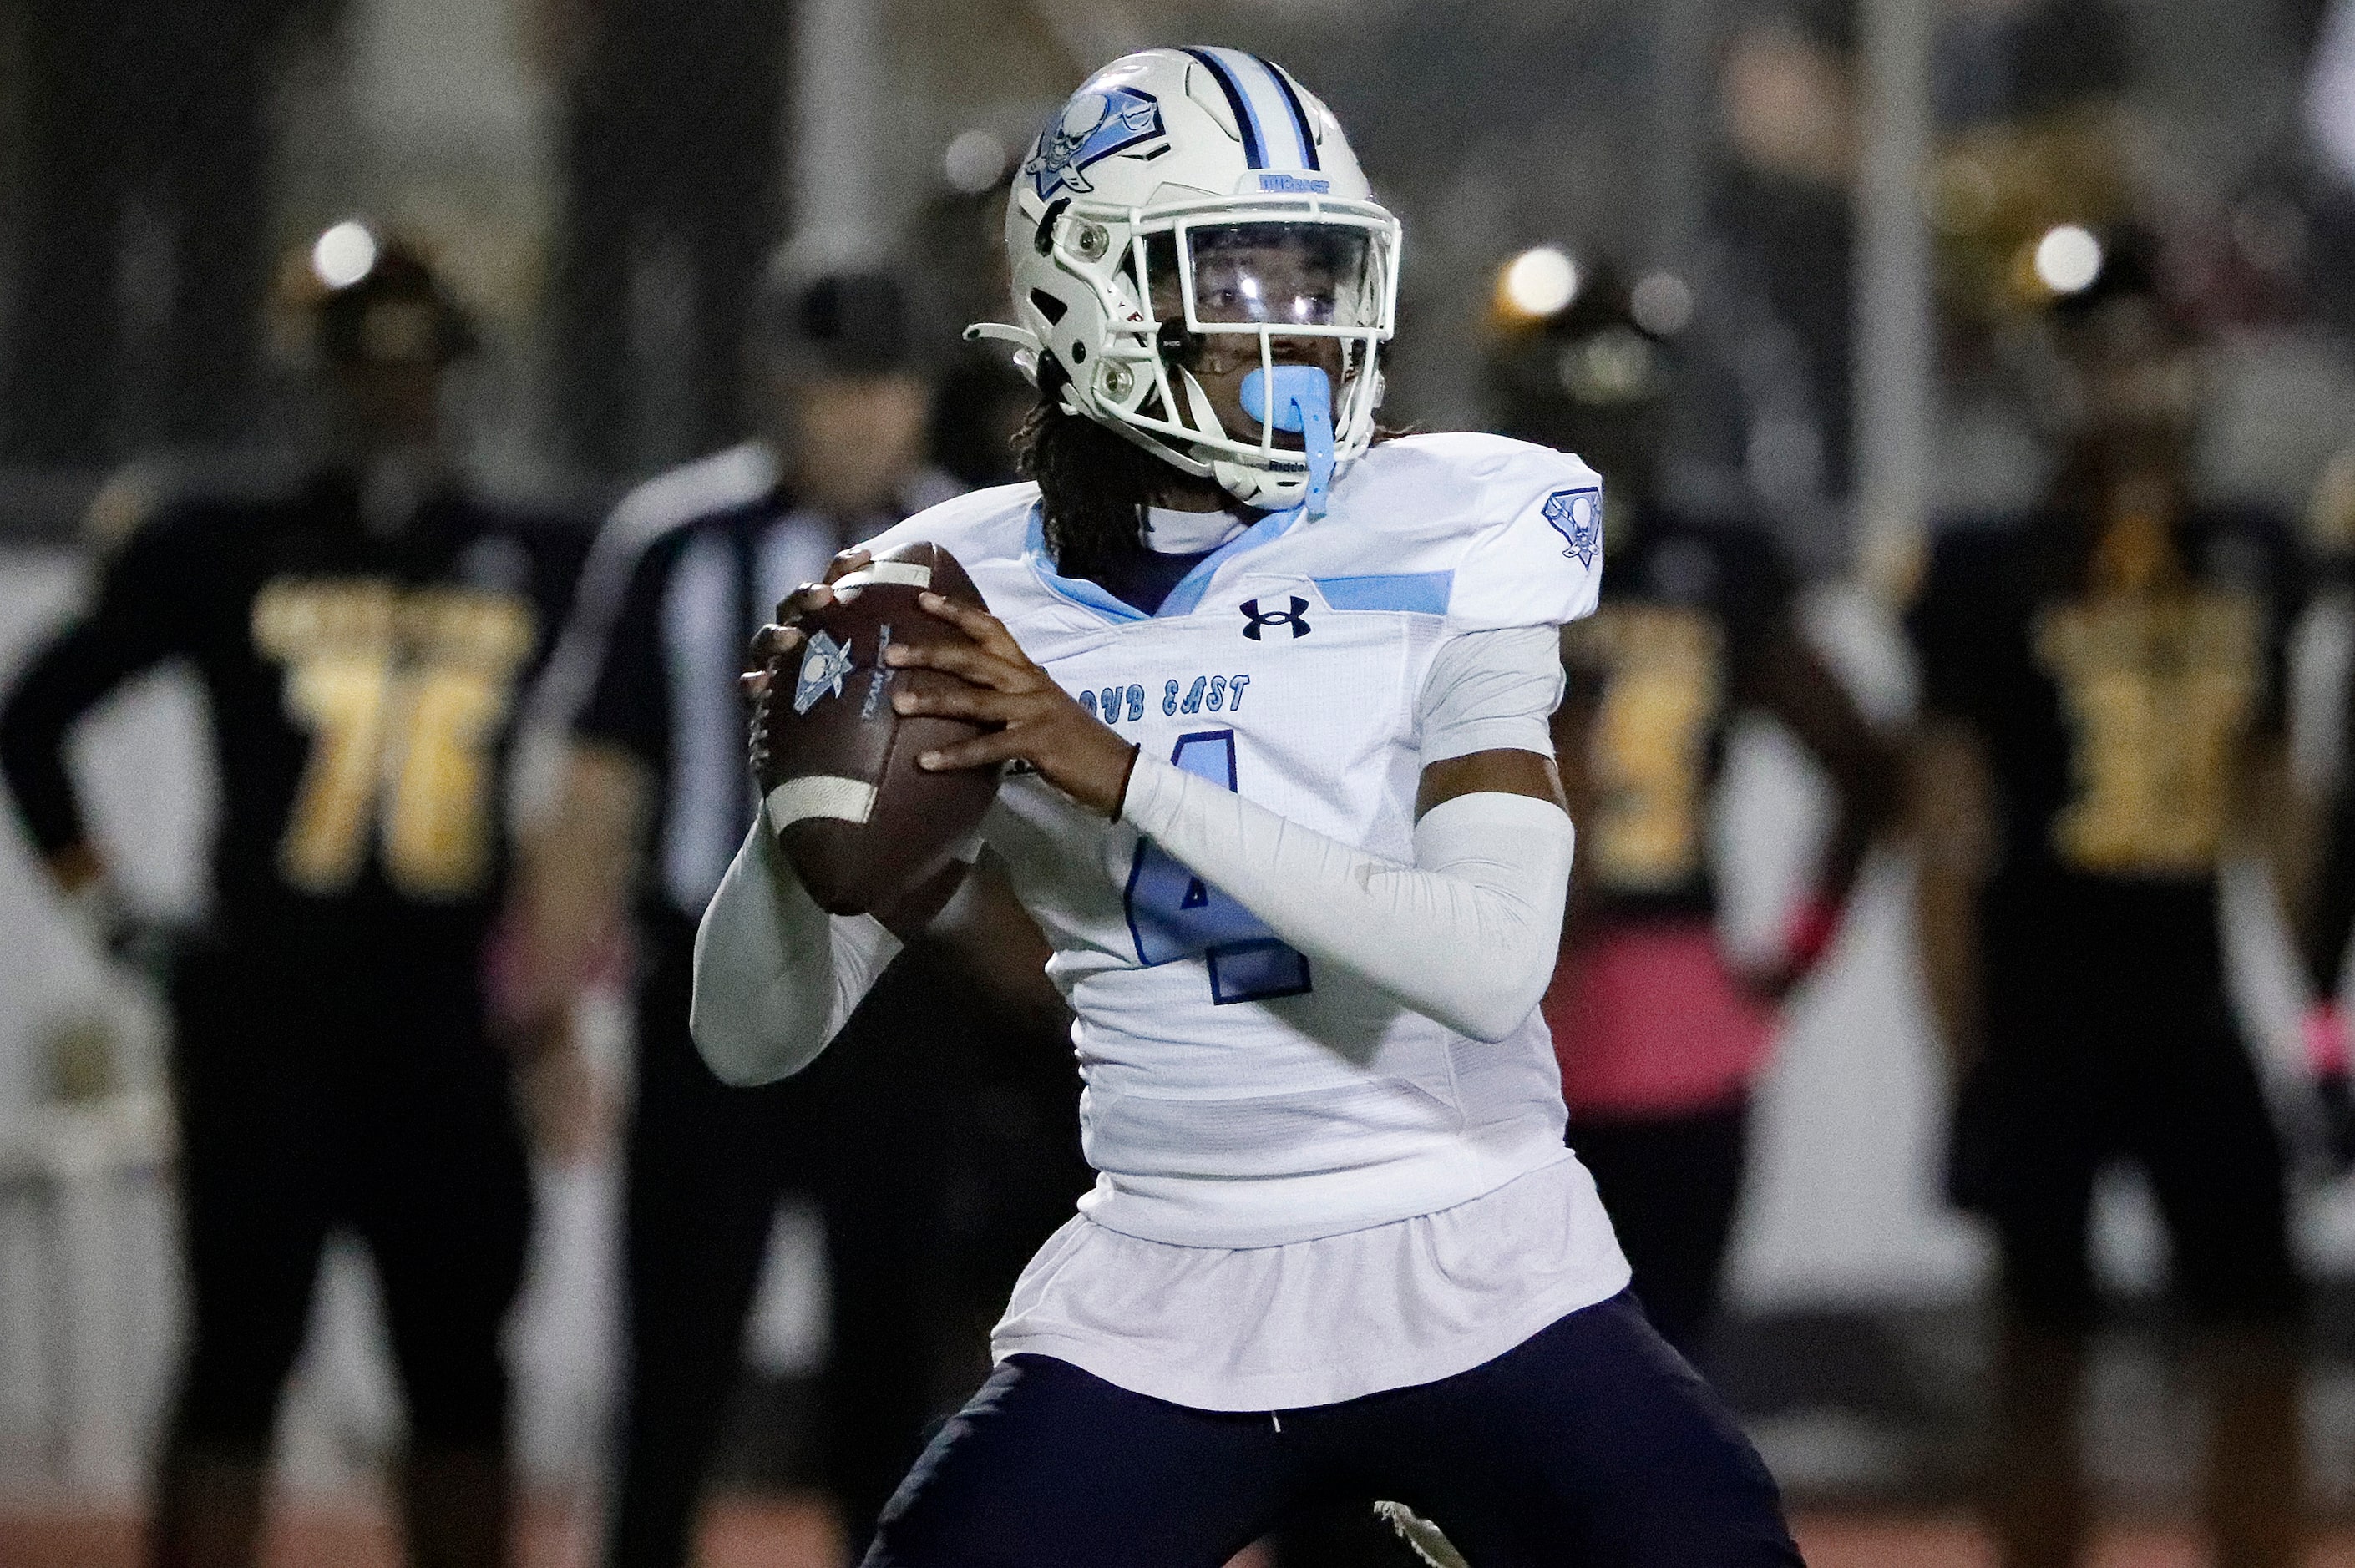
(1283, 275)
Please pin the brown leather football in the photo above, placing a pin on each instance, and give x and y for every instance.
(862, 824)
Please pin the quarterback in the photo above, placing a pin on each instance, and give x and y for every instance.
(1271, 694)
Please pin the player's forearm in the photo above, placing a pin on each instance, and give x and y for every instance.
(576, 871)
(55, 691)
(776, 977)
(1951, 832)
(1797, 687)
(2287, 827)
(2330, 913)
(1466, 935)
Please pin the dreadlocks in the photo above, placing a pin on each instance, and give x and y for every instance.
(1093, 485)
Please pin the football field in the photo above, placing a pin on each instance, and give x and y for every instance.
(788, 1534)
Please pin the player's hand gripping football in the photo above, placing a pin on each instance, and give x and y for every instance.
(780, 638)
(1043, 726)
(1042, 723)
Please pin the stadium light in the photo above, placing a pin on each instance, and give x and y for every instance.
(975, 162)
(2068, 259)
(1538, 283)
(1662, 304)
(344, 254)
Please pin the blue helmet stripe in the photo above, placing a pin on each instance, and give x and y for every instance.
(1246, 121)
(1299, 114)
(1262, 89)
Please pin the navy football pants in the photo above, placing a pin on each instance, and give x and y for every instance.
(1590, 1444)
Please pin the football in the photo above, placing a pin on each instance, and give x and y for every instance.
(862, 825)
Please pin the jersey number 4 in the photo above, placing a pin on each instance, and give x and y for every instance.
(1173, 914)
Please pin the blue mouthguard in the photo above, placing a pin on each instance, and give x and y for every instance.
(1304, 402)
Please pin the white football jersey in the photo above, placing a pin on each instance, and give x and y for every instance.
(1237, 1095)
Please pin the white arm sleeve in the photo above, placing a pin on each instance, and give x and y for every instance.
(1468, 933)
(775, 976)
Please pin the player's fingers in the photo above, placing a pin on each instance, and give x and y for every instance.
(982, 751)
(960, 702)
(754, 683)
(772, 641)
(807, 600)
(966, 660)
(978, 624)
(846, 562)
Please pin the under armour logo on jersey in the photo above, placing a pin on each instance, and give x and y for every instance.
(1296, 618)
(823, 666)
(1577, 514)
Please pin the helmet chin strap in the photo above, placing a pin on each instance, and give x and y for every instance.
(1267, 489)
(1251, 486)
(1197, 409)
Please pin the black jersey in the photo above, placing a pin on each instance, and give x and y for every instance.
(1666, 661)
(2114, 730)
(362, 691)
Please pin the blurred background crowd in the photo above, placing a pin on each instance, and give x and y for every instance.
(408, 406)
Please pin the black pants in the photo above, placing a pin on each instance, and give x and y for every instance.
(376, 1106)
(2160, 1079)
(862, 1133)
(1670, 1184)
(1590, 1443)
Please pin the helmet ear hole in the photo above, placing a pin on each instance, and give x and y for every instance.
(1048, 305)
(1176, 344)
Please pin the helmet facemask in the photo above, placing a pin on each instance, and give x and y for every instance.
(1194, 298)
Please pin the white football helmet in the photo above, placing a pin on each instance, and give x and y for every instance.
(1218, 167)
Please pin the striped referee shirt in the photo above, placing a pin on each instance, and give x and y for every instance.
(688, 567)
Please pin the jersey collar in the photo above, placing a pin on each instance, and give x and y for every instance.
(1184, 599)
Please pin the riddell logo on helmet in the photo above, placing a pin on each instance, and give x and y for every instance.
(1294, 184)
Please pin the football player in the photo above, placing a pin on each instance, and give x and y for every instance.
(2328, 904)
(1283, 803)
(2102, 698)
(360, 636)
(1659, 1034)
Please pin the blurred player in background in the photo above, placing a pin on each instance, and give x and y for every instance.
(2330, 904)
(361, 637)
(1660, 1034)
(645, 694)
(2102, 698)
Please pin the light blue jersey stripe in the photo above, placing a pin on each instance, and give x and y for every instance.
(1079, 590)
(1184, 599)
(1411, 593)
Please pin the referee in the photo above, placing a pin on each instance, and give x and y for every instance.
(654, 802)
